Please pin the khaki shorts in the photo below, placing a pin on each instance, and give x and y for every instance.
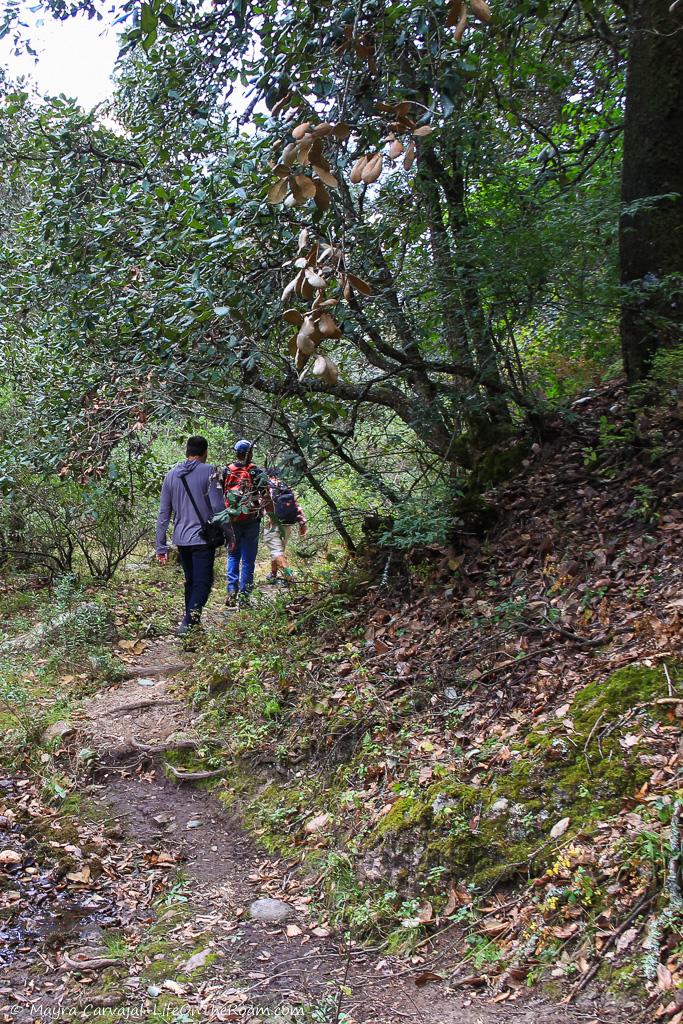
(276, 538)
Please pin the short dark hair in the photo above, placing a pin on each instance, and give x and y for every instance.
(196, 445)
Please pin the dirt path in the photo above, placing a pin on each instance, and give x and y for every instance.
(168, 904)
(247, 967)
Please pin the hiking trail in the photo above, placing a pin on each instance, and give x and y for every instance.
(241, 966)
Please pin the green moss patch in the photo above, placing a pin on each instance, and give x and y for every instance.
(497, 829)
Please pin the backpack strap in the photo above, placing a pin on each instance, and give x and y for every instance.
(183, 481)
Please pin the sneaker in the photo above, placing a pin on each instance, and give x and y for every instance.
(270, 578)
(231, 599)
(182, 629)
(243, 600)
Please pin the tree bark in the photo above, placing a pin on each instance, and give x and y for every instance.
(651, 236)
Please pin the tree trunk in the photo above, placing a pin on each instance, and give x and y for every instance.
(651, 238)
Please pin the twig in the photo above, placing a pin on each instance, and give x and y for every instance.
(592, 971)
(196, 776)
(98, 963)
(146, 748)
(140, 705)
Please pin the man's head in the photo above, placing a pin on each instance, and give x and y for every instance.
(196, 448)
(243, 449)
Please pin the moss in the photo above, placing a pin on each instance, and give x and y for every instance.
(498, 464)
(492, 832)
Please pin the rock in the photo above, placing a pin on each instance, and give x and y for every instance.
(12, 857)
(196, 960)
(270, 911)
(316, 824)
(57, 731)
(500, 806)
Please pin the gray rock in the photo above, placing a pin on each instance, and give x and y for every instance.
(500, 806)
(57, 731)
(270, 911)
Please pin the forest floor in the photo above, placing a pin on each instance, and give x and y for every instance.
(468, 759)
(192, 952)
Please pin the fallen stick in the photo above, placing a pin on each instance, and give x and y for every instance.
(196, 776)
(141, 705)
(592, 971)
(135, 671)
(97, 963)
(146, 748)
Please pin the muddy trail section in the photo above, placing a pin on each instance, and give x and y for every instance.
(161, 907)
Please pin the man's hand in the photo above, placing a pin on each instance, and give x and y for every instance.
(303, 530)
(162, 559)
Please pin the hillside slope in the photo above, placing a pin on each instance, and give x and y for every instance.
(487, 738)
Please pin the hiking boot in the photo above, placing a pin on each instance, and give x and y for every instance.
(270, 578)
(231, 599)
(244, 600)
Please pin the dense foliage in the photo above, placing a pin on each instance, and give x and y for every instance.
(436, 191)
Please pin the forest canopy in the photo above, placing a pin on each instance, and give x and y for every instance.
(385, 238)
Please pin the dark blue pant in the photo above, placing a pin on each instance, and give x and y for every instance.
(197, 562)
(246, 548)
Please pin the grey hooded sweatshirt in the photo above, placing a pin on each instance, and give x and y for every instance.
(203, 481)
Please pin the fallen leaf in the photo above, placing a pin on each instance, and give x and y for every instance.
(292, 930)
(196, 960)
(627, 939)
(426, 976)
(559, 828)
(79, 876)
(173, 986)
(664, 978)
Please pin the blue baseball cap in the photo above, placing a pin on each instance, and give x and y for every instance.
(243, 447)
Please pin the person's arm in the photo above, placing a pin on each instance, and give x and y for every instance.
(163, 519)
(300, 518)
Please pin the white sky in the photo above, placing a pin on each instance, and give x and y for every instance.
(75, 57)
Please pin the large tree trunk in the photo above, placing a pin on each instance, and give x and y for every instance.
(651, 238)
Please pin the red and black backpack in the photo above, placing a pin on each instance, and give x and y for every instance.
(241, 491)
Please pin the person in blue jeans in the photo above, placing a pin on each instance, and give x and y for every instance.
(247, 498)
(190, 481)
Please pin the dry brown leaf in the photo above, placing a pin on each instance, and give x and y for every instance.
(325, 176)
(278, 191)
(321, 197)
(302, 186)
(314, 279)
(423, 130)
(454, 13)
(357, 169)
(481, 10)
(462, 24)
(293, 316)
(328, 326)
(300, 130)
(559, 828)
(396, 149)
(372, 169)
(359, 284)
(409, 158)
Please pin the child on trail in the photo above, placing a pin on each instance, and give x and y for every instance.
(278, 528)
(245, 487)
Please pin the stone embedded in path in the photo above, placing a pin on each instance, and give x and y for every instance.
(57, 731)
(270, 911)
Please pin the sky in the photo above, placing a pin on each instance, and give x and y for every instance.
(76, 57)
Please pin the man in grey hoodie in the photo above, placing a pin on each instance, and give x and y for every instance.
(196, 556)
